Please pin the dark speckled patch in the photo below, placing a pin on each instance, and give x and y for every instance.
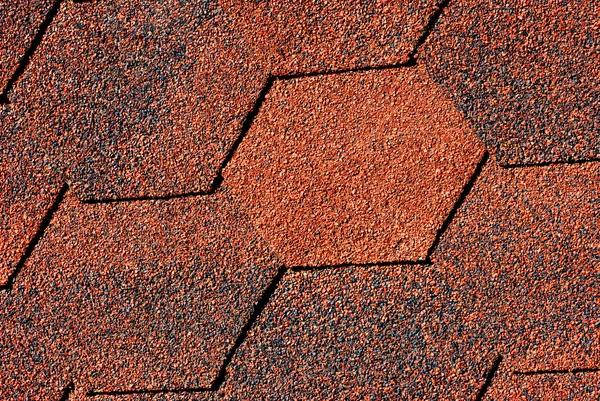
(19, 22)
(28, 188)
(147, 98)
(398, 332)
(526, 248)
(526, 73)
(545, 387)
(311, 36)
(134, 296)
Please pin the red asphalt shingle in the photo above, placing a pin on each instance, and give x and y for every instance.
(311, 36)
(32, 353)
(356, 333)
(526, 73)
(515, 275)
(140, 101)
(19, 22)
(545, 387)
(189, 299)
(157, 97)
(525, 248)
(353, 168)
(135, 296)
(29, 187)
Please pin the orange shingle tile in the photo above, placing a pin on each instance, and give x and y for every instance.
(353, 168)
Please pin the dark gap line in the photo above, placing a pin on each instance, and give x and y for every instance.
(489, 377)
(145, 198)
(457, 205)
(585, 370)
(93, 393)
(67, 392)
(409, 63)
(258, 308)
(425, 262)
(556, 371)
(546, 164)
(245, 128)
(433, 19)
(26, 58)
(38, 235)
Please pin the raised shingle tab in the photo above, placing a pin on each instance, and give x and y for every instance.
(353, 168)
(19, 23)
(525, 248)
(28, 188)
(526, 73)
(139, 296)
(545, 387)
(354, 333)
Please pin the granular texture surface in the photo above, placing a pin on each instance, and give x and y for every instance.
(308, 200)
(353, 168)
(525, 247)
(526, 73)
(29, 187)
(545, 387)
(311, 36)
(158, 95)
(135, 296)
(355, 333)
(19, 22)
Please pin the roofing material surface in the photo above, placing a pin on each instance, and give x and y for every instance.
(526, 73)
(232, 200)
(29, 188)
(353, 168)
(393, 332)
(545, 386)
(19, 24)
(140, 295)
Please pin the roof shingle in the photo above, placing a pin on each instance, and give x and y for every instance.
(137, 295)
(526, 73)
(353, 168)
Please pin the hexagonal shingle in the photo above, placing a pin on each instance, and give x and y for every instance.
(150, 97)
(354, 333)
(526, 73)
(353, 168)
(28, 187)
(145, 99)
(132, 296)
(524, 246)
(311, 36)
